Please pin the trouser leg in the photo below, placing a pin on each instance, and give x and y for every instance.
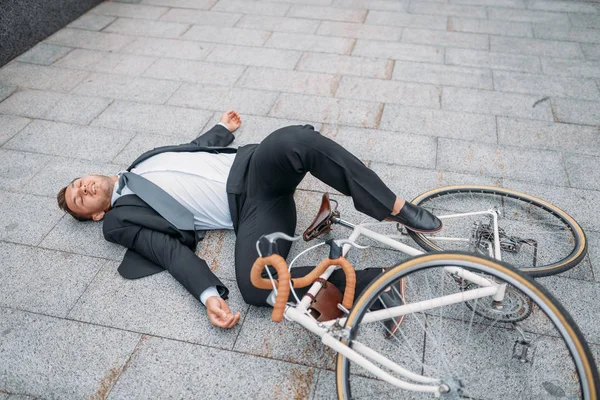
(282, 160)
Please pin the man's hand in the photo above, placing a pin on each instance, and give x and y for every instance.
(219, 313)
(231, 119)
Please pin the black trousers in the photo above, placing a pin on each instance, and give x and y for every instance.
(276, 168)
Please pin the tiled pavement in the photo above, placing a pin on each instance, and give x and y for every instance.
(427, 93)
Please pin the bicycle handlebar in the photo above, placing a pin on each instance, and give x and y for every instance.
(283, 278)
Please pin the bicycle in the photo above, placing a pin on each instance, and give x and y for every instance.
(509, 339)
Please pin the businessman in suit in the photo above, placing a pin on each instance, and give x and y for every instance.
(162, 205)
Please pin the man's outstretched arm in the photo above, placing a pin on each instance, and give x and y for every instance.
(181, 262)
(221, 134)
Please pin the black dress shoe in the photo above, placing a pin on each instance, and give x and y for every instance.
(417, 219)
(391, 299)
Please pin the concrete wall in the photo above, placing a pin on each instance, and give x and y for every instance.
(23, 23)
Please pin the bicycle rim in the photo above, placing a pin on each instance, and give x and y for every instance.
(537, 237)
(477, 357)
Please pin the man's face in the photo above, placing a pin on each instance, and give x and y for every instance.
(89, 196)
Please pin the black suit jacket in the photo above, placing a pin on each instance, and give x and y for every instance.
(154, 244)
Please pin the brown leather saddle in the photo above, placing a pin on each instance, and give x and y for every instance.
(324, 219)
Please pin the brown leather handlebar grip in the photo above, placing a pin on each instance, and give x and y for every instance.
(283, 285)
(283, 278)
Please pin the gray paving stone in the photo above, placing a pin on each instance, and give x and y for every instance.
(91, 40)
(194, 71)
(398, 51)
(132, 305)
(360, 31)
(40, 77)
(202, 17)
(567, 33)
(581, 204)
(336, 111)
(91, 22)
(440, 123)
(591, 21)
(129, 10)
(391, 18)
(136, 27)
(77, 109)
(497, 103)
(165, 368)
(556, 66)
(52, 289)
(501, 161)
(410, 182)
(549, 135)
(485, 59)
(57, 138)
(10, 125)
(79, 237)
(546, 85)
(242, 37)
(56, 358)
(44, 54)
(447, 9)
(143, 142)
(391, 5)
(59, 172)
(171, 48)
(577, 111)
(256, 7)
(441, 38)
(279, 24)
(26, 219)
(147, 118)
(31, 103)
(594, 252)
(591, 51)
(439, 74)
(578, 297)
(495, 3)
(534, 16)
(140, 89)
(254, 56)
(6, 91)
(328, 13)
(389, 147)
(504, 28)
(297, 41)
(98, 61)
(385, 91)
(562, 6)
(546, 48)
(19, 167)
(345, 65)
(219, 98)
(313, 2)
(288, 81)
(583, 171)
(197, 4)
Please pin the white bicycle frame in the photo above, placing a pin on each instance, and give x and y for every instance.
(331, 332)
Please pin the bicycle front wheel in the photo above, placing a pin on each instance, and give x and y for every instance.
(535, 236)
(523, 347)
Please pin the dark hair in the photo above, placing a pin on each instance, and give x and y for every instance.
(62, 203)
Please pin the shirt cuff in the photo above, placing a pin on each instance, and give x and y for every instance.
(209, 292)
(224, 126)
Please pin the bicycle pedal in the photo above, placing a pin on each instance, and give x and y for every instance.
(524, 351)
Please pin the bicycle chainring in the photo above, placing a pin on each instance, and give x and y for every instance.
(514, 308)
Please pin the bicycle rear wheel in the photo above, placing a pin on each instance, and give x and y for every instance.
(536, 237)
(476, 350)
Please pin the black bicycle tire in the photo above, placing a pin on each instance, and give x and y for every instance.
(574, 258)
(362, 305)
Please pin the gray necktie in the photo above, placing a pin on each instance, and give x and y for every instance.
(160, 201)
